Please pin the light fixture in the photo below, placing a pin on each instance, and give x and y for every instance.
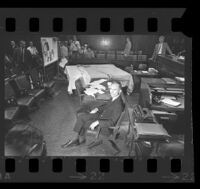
(105, 42)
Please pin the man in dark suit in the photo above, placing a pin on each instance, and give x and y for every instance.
(22, 57)
(103, 116)
(161, 48)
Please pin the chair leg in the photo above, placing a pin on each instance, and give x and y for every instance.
(94, 144)
(114, 145)
(131, 148)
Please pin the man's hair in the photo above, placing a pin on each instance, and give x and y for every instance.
(22, 138)
(22, 41)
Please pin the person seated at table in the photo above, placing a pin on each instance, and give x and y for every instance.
(24, 140)
(161, 48)
(103, 116)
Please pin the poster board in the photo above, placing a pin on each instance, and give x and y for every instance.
(49, 50)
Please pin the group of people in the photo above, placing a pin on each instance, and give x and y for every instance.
(73, 49)
(20, 58)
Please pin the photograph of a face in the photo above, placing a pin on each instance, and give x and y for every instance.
(106, 95)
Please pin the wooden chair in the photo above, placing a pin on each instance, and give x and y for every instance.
(137, 140)
(12, 109)
(115, 131)
(16, 105)
(22, 83)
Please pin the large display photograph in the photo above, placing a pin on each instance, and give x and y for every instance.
(49, 50)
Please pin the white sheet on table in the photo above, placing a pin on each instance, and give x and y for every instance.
(96, 71)
(75, 72)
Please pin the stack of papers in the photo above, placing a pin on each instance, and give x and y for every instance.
(145, 72)
(98, 87)
(182, 79)
(152, 70)
(91, 91)
(97, 82)
(170, 102)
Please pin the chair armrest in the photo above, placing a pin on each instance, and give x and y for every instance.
(11, 102)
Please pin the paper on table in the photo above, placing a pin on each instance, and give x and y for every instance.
(98, 86)
(91, 91)
(97, 82)
(169, 97)
(145, 72)
(100, 91)
(182, 79)
(170, 102)
(161, 112)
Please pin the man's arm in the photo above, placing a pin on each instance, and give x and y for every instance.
(168, 49)
(111, 119)
(154, 53)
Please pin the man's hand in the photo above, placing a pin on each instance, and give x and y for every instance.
(94, 111)
(94, 124)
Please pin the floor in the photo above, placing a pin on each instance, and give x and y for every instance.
(56, 118)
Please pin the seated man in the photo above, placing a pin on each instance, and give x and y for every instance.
(104, 116)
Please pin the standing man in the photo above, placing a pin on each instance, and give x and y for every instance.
(103, 116)
(161, 48)
(128, 46)
(23, 58)
(9, 63)
(63, 51)
(32, 49)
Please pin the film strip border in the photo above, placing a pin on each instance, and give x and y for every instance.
(95, 169)
(81, 24)
(94, 21)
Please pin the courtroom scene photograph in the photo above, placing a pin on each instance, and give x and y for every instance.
(94, 95)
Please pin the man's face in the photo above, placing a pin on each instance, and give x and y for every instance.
(23, 44)
(12, 43)
(114, 90)
(161, 39)
(31, 44)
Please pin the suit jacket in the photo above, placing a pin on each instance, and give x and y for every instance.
(165, 48)
(110, 113)
(19, 59)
